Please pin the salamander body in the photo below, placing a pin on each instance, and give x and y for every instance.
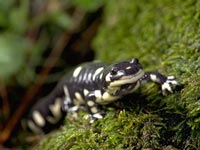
(91, 85)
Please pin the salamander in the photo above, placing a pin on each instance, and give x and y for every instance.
(90, 85)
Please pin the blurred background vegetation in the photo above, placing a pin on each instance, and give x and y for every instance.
(29, 28)
(41, 39)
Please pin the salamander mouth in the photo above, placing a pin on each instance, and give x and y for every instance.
(128, 79)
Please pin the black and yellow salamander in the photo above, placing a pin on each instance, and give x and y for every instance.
(90, 85)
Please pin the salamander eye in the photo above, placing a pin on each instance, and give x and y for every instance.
(114, 71)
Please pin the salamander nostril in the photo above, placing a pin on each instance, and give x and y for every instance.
(114, 71)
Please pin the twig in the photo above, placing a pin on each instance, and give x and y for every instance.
(5, 101)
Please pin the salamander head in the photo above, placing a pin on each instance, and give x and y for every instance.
(121, 78)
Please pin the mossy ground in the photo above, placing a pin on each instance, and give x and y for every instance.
(165, 36)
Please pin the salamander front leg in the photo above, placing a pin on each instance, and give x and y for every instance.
(93, 107)
(166, 82)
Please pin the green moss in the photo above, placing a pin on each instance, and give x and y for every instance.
(115, 131)
(165, 36)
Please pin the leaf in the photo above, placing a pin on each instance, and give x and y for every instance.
(61, 19)
(19, 17)
(5, 7)
(11, 55)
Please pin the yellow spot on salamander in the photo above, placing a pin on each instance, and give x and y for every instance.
(77, 71)
(39, 120)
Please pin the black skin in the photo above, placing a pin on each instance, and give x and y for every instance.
(85, 79)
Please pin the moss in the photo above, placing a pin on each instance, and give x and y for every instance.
(165, 36)
(115, 131)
